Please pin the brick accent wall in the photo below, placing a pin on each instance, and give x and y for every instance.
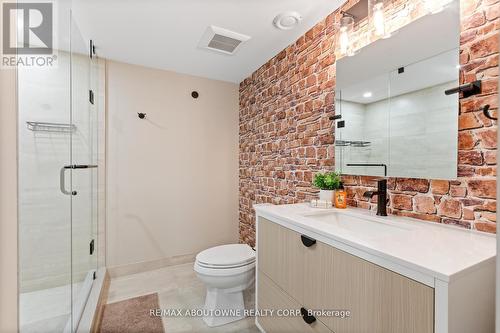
(286, 136)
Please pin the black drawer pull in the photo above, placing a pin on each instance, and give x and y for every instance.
(307, 318)
(307, 241)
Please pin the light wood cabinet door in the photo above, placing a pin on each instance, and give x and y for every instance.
(323, 277)
(379, 300)
(281, 256)
(271, 297)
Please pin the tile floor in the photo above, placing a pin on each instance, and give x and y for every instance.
(45, 310)
(177, 288)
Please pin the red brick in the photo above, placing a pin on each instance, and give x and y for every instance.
(468, 121)
(485, 47)
(482, 188)
(424, 204)
(466, 140)
(440, 186)
(486, 227)
(401, 201)
(450, 208)
(458, 191)
(490, 157)
(417, 185)
(468, 214)
(493, 12)
(474, 21)
(457, 222)
(470, 157)
(487, 138)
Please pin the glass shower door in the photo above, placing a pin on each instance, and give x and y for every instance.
(83, 171)
(57, 149)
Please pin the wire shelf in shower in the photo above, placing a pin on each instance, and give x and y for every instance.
(357, 144)
(36, 126)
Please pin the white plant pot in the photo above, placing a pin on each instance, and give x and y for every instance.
(326, 195)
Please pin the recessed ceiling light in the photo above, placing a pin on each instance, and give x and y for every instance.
(287, 20)
(368, 94)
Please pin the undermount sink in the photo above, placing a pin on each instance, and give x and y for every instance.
(360, 225)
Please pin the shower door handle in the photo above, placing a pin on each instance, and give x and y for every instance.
(62, 176)
(62, 181)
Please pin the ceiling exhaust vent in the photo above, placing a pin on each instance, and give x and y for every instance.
(222, 40)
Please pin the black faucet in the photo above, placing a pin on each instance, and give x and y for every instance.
(381, 197)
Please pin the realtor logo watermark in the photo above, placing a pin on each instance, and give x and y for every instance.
(28, 34)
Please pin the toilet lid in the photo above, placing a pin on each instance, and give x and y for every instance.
(226, 255)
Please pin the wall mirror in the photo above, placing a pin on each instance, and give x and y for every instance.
(396, 120)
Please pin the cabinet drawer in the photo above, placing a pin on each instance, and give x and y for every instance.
(322, 277)
(281, 256)
(379, 300)
(271, 297)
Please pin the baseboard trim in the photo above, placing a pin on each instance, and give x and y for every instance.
(144, 266)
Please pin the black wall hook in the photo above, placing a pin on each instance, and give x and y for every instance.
(487, 114)
(141, 115)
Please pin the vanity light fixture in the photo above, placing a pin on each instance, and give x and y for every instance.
(345, 33)
(436, 6)
(368, 94)
(377, 18)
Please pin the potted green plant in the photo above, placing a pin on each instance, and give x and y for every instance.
(327, 183)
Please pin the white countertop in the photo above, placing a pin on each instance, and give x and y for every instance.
(441, 251)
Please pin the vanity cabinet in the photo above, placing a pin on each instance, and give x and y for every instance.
(314, 275)
(393, 274)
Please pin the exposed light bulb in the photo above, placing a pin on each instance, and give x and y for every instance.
(368, 94)
(344, 36)
(378, 19)
(344, 40)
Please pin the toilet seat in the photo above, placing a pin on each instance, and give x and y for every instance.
(230, 271)
(226, 256)
(224, 267)
(225, 260)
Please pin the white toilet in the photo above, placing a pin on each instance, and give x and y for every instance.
(226, 270)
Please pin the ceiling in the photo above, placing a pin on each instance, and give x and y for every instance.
(165, 33)
(430, 57)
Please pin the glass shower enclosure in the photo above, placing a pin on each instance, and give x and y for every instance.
(58, 185)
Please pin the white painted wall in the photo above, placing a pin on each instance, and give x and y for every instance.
(406, 132)
(172, 177)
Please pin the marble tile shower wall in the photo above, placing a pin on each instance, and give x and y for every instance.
(368, 123)
(44, 214)
(285, 134)
(53, 235)
(418, 135)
